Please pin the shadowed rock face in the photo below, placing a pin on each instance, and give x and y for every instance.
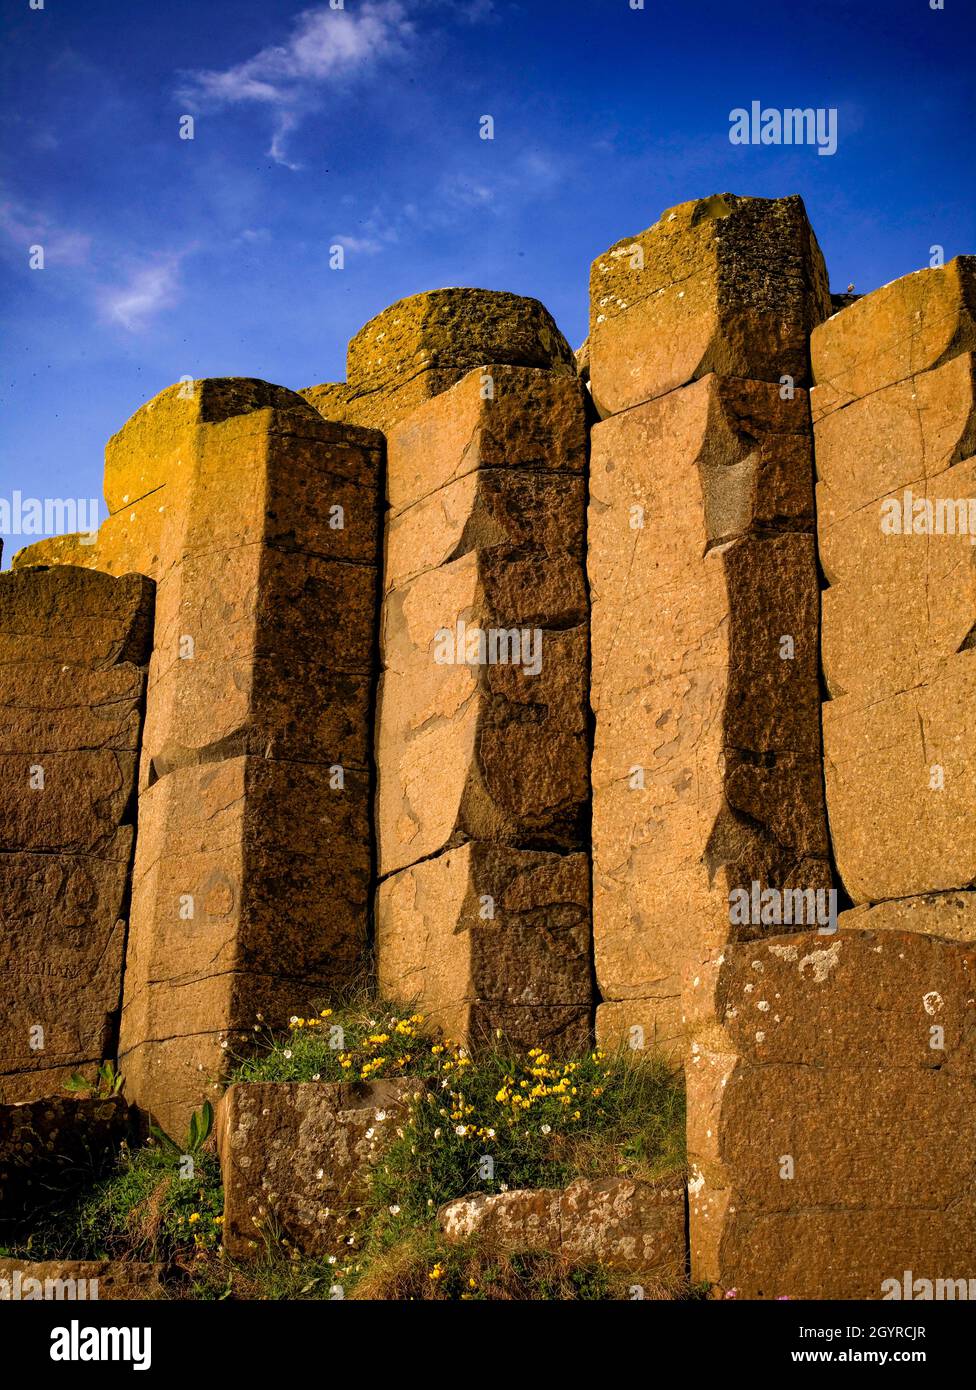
(525, 969)
(805, 1048)
(73, 651)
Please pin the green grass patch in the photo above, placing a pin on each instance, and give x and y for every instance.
(147, 1207)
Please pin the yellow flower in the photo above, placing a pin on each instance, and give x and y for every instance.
(194, 1216)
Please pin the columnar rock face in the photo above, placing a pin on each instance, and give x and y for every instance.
(251, 882)
(425, 344)
(491, 937)
(832, 1111)
(73, 652)
(832, 1080)
(895, 410)
(481, 740)
(702, 570)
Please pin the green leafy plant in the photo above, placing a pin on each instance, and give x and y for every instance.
(108, 1082)
(201, 1124)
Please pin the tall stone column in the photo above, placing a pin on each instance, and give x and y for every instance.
(483, 904)
(252, 873)
(74, 648)
(706, 764)
(832, 1080)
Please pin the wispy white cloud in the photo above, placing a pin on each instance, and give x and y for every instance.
(144, 292)
(326, 46)
(24, 227)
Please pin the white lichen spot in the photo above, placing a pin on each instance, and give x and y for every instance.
(784, 952)
(763, 1006)
(760, 1037)
(821, 962)
(932, 1001)
(696, 1180)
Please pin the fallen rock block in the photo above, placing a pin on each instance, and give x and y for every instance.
(294, 1158)
(619, 1223)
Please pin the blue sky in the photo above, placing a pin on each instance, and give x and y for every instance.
(360, 125)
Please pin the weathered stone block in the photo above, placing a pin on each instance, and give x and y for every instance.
(488, 509)
(486, 937)
(61, 940)
(804, 1047)
(901, 785)
(294, 1158)
(911, 325)
(723, 284)
(423, 345)
(74, 616)
(76, 810)
(73, 644)
(239, 906)
(455, 329)
(79, 1280)
(621, 1224)
(706, 766)
(50, 707)
(484, 751)
(496, 417)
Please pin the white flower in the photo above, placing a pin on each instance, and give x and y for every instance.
(224, 1043)
(331, 1259)
(260, 1018)
(293, 1019)
(437, 1133)
(287, 1053)
(461, 1130)
(491, 1134)
(547, 1129)
(503, 1186)
(381, 1115)
(317, 1077)
(320, 1173)
(370, 1133)
(394, 1210)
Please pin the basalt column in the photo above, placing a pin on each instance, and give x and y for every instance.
(251, 880)
(832, 1080)
(483, 905)
(74, 646)
(706, 765)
